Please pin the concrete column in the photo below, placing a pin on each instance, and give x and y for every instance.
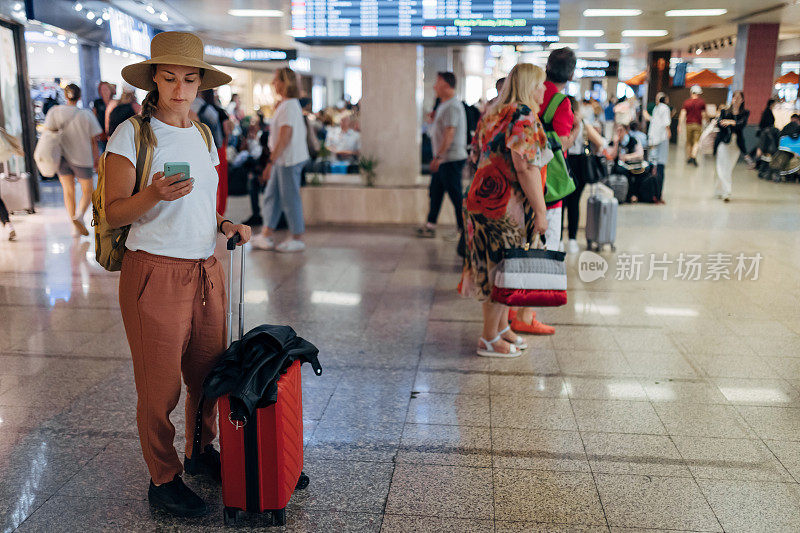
(436, 59)
(460, 72)
(756, 47)
(390, 125)
(89, 61)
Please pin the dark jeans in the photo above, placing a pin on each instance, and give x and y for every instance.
(572, 203)
(255, 187)
(659, 180)
(447, 180)
(3, 213)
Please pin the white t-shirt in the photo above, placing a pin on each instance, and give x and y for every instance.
(185, 228)
(78, 128)
(289, 113)
(344, 141)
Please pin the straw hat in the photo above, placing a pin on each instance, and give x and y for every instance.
(174, 48)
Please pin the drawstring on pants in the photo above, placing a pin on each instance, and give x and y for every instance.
(205, 283)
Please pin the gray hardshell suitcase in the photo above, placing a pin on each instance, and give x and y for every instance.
(601, 221)
(15, 190)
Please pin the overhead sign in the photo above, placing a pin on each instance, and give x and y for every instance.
(492, 21)
(128, 33)
(250, 54)
(597, 68)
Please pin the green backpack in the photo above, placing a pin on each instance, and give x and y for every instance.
(559, 183)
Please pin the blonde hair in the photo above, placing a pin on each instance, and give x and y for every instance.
(519, 85)
(290, 82)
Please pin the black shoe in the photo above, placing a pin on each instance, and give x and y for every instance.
(208, 463)
(176, 498)
(694, 161)
(254, 220)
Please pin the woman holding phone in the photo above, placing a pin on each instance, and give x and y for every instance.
(171, 289)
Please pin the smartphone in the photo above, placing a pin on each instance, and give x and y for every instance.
(170, 169)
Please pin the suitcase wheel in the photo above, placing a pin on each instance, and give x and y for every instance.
(231, 516)
(279, 517)
(302, 482)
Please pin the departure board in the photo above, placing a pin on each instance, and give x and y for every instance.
(488, 21)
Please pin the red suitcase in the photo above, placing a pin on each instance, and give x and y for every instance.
(262, 458)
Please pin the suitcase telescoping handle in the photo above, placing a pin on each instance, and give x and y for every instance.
(232, 242)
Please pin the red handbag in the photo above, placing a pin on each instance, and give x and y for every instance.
(531, 277)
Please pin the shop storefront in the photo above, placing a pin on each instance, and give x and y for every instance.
(15, 104)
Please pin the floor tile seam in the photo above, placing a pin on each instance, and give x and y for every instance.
(697, 483)
(34, 511)
(591, 468)
(80, 356)
(795, 478)
(405, 421)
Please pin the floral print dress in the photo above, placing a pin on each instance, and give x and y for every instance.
(497, 216)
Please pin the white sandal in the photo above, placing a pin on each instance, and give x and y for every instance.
(519, 342)
(489, 351)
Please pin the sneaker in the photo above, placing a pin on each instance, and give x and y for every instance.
(726, 199)
(11, 233)
(208, 464)
(573, 246)
(534, 328)
(79, 228)
(424, 232)
(260, 242)
(176, 498)
(291, 246)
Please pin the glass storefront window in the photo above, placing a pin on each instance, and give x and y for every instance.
(9, 92)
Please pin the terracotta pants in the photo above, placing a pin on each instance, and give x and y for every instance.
(174, 316)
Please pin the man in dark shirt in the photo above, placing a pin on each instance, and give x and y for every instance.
(105, 91)
(694, 112)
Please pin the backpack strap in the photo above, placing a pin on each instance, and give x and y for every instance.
(550, 111)
(144, 154)
(205, 131)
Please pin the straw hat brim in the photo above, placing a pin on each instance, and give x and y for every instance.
(140, 77)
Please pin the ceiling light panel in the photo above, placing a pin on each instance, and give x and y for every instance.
(695, 12)
(612, 12)
(644, 33)
(612, 46)
(581, 33)
(255, 13)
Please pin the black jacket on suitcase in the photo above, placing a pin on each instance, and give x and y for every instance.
(250, 368)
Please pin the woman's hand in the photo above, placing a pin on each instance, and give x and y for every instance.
(540, 223)
(170, 188)
(264, 178)
(230, 229)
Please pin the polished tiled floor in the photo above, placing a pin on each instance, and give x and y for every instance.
(658, 404)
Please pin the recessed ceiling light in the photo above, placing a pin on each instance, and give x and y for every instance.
(99, 22)
(73, 40)
(48, 33)
(644, 33)
(591, 55)
(612, 46)
(695, 12)
(150, 9)
(73, 49)
(553, 46)
(698, 51)
(106, 15)
(581, 33)
(612, 12)
(90, 15)
(78, 6)
(255, 13)
(164, 17)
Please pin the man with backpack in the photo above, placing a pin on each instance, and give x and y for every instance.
(557, 118)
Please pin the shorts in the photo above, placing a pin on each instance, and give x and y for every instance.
(68, 169)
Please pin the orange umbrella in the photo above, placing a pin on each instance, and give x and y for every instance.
(790, 78)
(639, 79)
(728, 81)
(704, 78)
